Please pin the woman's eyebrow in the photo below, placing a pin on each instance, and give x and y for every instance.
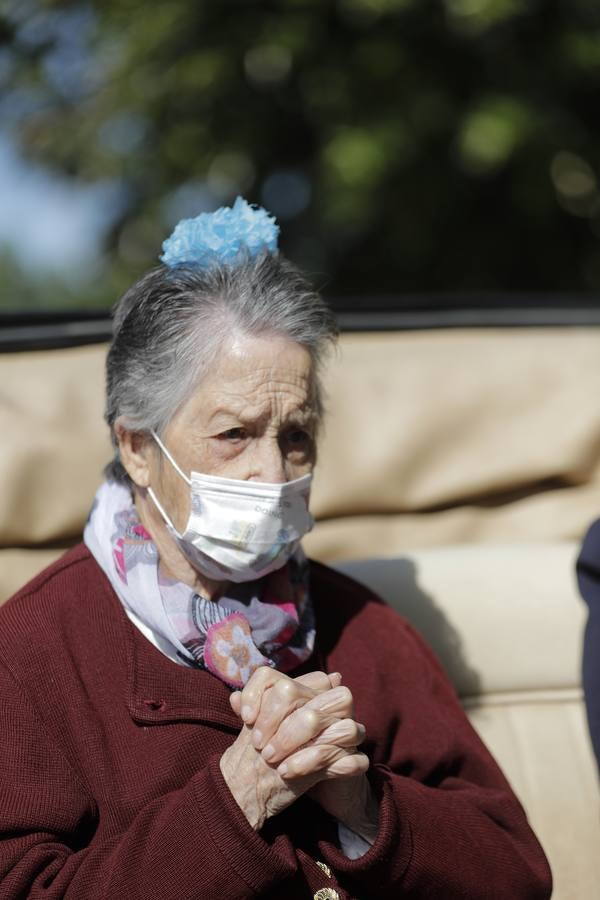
(231, 410)
(303, 415)
(239, 412)
(306, 416)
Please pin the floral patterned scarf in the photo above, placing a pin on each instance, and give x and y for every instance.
(265, 622)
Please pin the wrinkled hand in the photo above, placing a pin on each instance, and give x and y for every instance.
(297, 733)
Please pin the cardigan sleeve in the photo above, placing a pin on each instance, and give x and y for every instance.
(449, 824)
(191, 842)
(588, 577)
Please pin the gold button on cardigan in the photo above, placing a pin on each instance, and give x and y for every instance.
(324, 868)
(326, 894)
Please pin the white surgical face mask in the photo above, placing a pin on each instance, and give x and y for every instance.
(240, 530)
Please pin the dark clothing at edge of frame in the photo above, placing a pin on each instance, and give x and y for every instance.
(588, 576)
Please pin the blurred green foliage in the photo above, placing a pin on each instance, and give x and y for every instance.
(405, 146)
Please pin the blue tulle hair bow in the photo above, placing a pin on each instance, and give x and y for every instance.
(223, 236)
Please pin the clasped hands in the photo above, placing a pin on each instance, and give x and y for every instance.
(299, 735)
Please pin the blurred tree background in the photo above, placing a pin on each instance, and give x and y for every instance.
(404, 145)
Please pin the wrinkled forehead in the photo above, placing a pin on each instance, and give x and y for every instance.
(253, 378)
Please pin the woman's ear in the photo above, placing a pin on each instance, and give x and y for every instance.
(134, 450)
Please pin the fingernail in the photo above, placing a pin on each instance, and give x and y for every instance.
(269, 752)
(246, 713)
(256, 737)
(282, 769)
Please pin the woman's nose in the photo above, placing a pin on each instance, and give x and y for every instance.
(269, 463)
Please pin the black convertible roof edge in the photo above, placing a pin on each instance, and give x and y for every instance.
(39, 330)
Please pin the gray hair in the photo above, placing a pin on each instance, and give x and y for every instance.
(169, 327)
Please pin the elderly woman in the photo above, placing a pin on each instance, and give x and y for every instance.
(190, 708)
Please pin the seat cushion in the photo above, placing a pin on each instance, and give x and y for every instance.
(500, 617)
(506, 623)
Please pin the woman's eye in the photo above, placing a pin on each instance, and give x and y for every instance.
(299, 439)
(234, 434)
(298, 436)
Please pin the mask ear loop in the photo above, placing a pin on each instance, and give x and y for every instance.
(151, 493)
(157, 504)
(170, 458)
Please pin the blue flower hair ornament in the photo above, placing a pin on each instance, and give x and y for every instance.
(223, 236)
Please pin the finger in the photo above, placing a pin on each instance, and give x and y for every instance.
(262, 680)
(320, 681)
(328, 760)
(349, 766)
(338, 701)
(344, 733)
(251, 693)
(296, 730)
(280, 700)
(306, 726)
(307, 722)
(310, 760)
(317, 681)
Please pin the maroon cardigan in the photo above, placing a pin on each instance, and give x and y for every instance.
(110, 779)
